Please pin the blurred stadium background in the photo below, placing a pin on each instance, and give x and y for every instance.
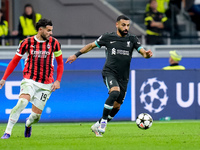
(78, 22)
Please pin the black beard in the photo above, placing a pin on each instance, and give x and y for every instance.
(44, 38)
(122, 33)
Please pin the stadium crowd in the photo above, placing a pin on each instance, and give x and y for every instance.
(160, 20)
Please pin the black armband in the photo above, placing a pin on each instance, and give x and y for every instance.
(78, 54)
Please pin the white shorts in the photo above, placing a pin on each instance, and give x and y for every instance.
(39, 92)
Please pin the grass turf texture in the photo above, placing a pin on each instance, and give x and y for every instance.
(164, 135)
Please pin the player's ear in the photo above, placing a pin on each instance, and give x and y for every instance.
(117, 24)
(40, 29)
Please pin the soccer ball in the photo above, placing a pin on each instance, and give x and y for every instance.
(144, 121)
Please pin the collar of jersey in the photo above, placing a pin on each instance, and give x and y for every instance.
(38, 40)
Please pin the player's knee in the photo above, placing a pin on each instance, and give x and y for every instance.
(114, 94)
(21, 105)
(120, 99)
(111, 99)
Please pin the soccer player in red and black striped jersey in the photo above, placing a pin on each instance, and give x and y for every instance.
(38, 82)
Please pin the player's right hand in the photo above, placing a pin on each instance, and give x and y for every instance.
(55, 86)
(71, 59)
(2, 82)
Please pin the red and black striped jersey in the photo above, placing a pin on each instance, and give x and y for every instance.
(39, 62)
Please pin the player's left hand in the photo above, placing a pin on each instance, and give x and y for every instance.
(71, 59)
(2, 82)
(56, 85)
(149, 54)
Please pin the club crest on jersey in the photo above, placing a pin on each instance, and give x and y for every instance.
(128, 43)
(48, 46)
(113, 51)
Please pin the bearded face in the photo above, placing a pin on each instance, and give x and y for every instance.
(46, 32)
(123, 32)
(123, 27)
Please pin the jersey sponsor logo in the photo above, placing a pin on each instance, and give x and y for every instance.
(111, 42)
(122, 52)
(119, 52)
(40, 54)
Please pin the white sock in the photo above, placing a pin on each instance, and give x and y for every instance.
(15, 113)
(103, 120)
(33, 118)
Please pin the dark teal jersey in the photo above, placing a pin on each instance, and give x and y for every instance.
(118, 53)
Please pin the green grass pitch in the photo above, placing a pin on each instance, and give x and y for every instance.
(163, 135)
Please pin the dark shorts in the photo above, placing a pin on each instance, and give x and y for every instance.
(111, 81)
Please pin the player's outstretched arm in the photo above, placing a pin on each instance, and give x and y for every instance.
(85, 49)
(146, 54)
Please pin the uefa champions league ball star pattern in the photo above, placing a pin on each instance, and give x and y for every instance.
(153, 95)
(144, 121)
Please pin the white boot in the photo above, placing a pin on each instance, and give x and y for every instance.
(102, 126)
(94, 129)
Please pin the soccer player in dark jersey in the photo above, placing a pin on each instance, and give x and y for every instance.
(38, 82)
(119, 48)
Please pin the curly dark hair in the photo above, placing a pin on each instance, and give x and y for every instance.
(43, 23)
(122, 17)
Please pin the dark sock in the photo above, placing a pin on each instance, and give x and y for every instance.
(113, 113)
(106, 112)
(109, 103)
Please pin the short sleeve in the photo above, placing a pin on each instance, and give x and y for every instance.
(57, 49)
(101, 41)
(136, 43)
(57, 46)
